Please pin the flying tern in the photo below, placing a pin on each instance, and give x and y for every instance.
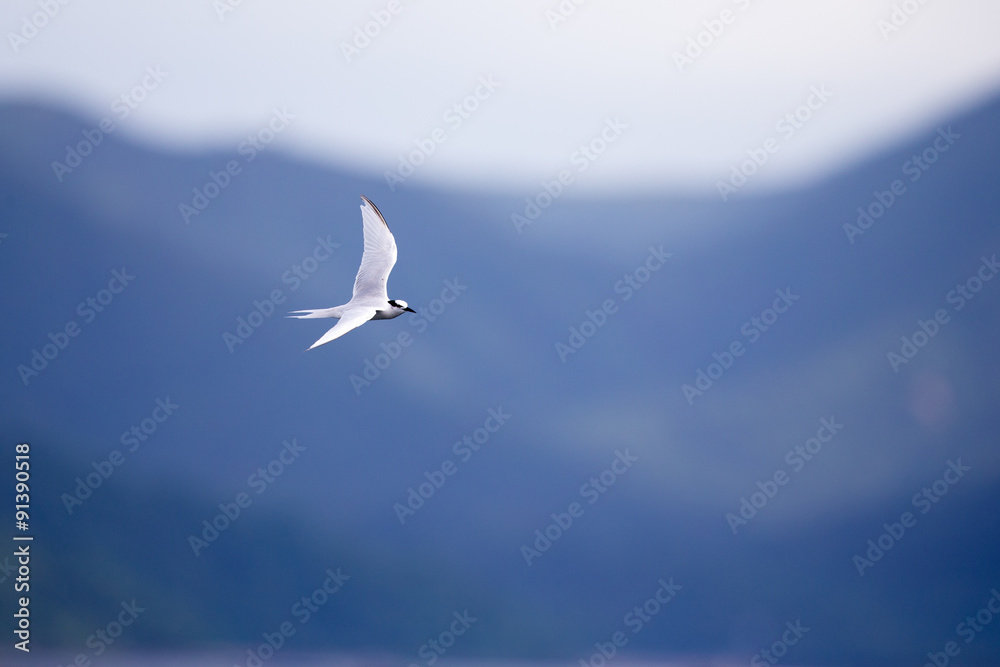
(370, 300)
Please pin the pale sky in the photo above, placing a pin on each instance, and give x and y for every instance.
(550, 87)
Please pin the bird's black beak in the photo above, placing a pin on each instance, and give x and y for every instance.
(409, 309)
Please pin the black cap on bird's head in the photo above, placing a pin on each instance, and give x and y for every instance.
(396, 303)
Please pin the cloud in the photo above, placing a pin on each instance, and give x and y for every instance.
(561, 79)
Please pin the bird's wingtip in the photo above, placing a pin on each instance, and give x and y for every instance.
(369, 202)
(318, 343)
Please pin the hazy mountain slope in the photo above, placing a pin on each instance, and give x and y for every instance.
(495, 347)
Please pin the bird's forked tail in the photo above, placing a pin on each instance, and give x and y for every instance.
(313, 314)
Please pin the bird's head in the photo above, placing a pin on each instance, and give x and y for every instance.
(399, 304)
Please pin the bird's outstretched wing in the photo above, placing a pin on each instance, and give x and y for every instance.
(351, 319)
(379, 256)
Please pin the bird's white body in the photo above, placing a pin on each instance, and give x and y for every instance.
(370, 300)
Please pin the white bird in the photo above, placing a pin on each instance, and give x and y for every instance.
(370, 300)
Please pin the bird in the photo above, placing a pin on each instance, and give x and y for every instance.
(370, 300)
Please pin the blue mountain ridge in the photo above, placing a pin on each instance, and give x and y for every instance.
(164, 337)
